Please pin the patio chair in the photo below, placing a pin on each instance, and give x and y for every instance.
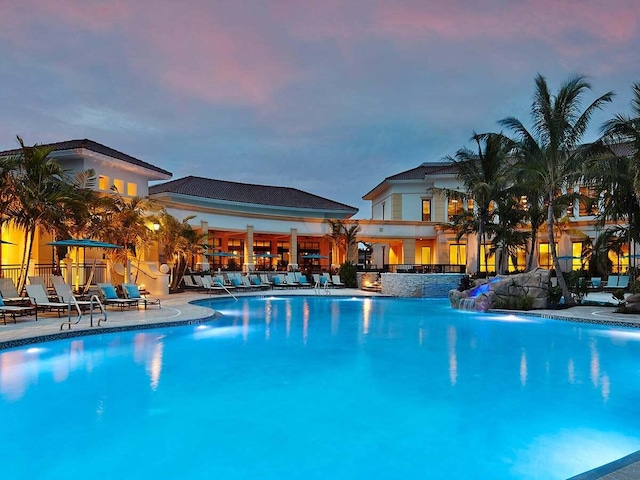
(65, 295)
(56, 279)
(15, 310)
(256, 282)
(623, 282)
(335, 279)
(596, 284)
(211, 285)
(612, 282)
(302, 280)
(132, 292)
(292, 280)
(9, 292)
(110, 297)
(187, 281)
(40, 300)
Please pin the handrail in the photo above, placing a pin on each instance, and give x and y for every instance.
(73, 300)
(227, 290)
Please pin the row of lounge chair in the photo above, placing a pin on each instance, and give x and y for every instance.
(38, 298)
(239, 282)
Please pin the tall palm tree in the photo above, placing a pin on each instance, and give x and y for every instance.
(554, 144)
(625, 128)
(350, 234)
(43, 193)
(484, 176)
(125, 224)
(175, 237)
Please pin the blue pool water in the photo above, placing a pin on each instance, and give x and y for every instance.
(319, 388)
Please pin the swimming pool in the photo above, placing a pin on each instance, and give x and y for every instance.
(315, 387)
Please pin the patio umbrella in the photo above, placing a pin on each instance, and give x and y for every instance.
(83, 243)
(314, 256)
(221, 254)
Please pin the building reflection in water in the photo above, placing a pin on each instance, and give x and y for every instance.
(453, 361)
(571, 371)
(366, 315)
(16, 373)
(335, 318)
(148, 350)
(594, 364)
(246, 318)
(305, 320)
(523, 368)
(267, 320)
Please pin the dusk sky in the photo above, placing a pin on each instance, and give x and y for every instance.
(328, 96)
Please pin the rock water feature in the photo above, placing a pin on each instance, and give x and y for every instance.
(504, 290)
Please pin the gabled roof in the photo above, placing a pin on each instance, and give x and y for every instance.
(249, 194)
(94, 147)
(417, 173)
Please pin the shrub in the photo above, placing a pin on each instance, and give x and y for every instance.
(348, 275)
(524, 302)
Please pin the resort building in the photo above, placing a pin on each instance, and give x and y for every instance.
(245, 226)
(409, 216)
(258, 227)
(261, 227)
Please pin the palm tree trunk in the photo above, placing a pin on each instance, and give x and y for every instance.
(534, 244)
(29, 236)
(556, 262)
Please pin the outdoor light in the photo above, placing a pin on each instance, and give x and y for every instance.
(156, 227)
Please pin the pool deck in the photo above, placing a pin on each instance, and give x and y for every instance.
(177, 309)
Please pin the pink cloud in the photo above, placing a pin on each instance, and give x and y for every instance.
(204, 57)
(615, 21)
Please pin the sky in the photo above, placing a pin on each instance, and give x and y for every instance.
(328, 96)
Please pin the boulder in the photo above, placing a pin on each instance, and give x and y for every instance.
(499, 290)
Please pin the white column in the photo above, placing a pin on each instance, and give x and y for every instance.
(293, 250)
(248, 250)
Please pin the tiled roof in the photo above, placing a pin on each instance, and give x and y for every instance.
(248, 193)
(425, 169)
(418, 173)
(623, 149)
(94, 147)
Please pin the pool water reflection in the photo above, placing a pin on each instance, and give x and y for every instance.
(316, 387)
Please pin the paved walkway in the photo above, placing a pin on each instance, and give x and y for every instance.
(177, 309)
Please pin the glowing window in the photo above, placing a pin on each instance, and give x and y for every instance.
(453, 208)
(132, 189)
(457, 254)
(426, 210)
(103, 182)
(118, 184)
(544, 259)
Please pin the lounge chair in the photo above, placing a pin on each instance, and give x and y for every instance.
(623, 282)
(257, 283)
(110, 297)
(596, 283)
(302, 280)
(188, 282)
(212, 285)
(335, 280)
(40, 300)
(292, 280)
(612, 282)
(238, 283)
(9, 292)
(15, 310)
(65, 295)
(132, 292)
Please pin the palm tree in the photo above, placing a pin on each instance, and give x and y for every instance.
(44, 194)
(176, 238)
(125, 223)
(484, 176)
(350, 234)
(624, 128)
(554, 146)
(508, 235)
(336, 237)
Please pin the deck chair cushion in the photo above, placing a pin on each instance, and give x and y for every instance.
(110, 292)
(132, 291)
